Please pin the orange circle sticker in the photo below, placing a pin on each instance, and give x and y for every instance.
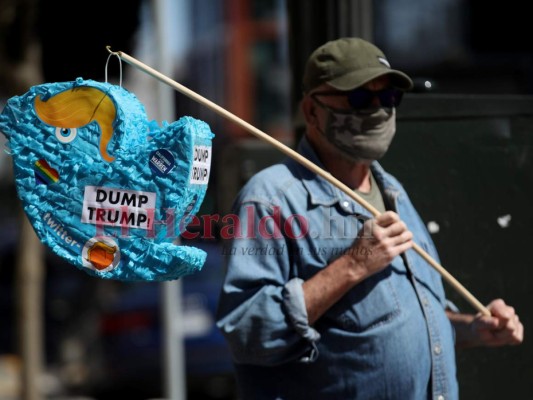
(100, 253)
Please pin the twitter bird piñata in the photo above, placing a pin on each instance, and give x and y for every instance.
(103, 187)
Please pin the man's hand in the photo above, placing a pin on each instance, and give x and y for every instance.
(502, 328)
(381, 239)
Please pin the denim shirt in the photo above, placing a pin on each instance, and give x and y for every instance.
(387, 338)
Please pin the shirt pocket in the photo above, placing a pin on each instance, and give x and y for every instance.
(372, 303)
(427, 276)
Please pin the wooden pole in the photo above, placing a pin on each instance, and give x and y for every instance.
(302, 160)
(30, 270)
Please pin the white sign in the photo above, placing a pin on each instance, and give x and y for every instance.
(201, 165)
(118, 207)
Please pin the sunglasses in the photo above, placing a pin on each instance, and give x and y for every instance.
(361, 98)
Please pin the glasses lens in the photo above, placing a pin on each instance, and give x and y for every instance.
(363, 98)
(390, 97)
(360, 98)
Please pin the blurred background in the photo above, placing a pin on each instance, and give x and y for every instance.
(463, 152)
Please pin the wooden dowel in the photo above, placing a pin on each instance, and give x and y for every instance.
(302, 160)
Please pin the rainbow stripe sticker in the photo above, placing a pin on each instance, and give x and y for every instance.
(44, 173)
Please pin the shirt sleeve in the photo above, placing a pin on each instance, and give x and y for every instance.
(261, 310)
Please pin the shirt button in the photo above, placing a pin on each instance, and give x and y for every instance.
(440, 397)
(437, 350)
(345, 204)
(425, 301)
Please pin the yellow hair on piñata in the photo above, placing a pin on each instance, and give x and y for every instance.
(78, 107)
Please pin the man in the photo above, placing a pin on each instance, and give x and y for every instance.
(320, 300)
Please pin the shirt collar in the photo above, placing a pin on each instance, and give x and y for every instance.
(322, 192)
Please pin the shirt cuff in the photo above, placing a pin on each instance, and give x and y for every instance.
(294, 302)
(451, 306)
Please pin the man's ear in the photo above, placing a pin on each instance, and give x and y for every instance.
(309, 110)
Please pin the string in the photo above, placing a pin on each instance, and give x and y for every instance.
(119, 63)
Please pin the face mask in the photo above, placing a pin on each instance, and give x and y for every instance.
(361, 135)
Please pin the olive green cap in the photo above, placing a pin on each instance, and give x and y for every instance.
(348, 63)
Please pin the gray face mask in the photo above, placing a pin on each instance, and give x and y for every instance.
(363, 134)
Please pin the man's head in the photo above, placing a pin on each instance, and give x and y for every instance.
(348, 63)
(350, 96)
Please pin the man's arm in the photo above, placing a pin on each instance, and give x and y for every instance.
(502, 328)
(367, 256)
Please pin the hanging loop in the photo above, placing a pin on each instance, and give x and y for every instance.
(113, 53)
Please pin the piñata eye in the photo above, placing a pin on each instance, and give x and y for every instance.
(66, 135)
